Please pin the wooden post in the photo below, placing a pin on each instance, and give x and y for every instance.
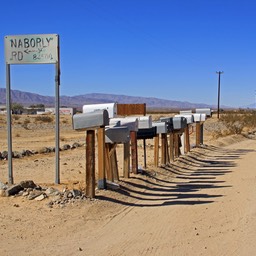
(114, 165)
(156, 150)
(176, 145)
(134, 150)
(101, 159)
(171, 146)
(126, 164)
(90, 164)
(163, 148)
(145, 153)
(187, 141)
(198, 132)
(108, 162)
(202, 134)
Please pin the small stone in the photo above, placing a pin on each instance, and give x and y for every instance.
(2, 193)
(80, 249)
(14, 189)
(27, 184)
(41, 197)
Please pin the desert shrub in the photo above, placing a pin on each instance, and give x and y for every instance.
(16, 117)
(25, 123)
(236, 122)
(44, 119)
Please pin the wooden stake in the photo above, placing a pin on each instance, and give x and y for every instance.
(126, 164)
(156, 150)
(134, 150)
(171, 146)
(187, 141)
(198, 133)
(90, 164)
(163, 148)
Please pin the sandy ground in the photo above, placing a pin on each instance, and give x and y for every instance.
(202, 204)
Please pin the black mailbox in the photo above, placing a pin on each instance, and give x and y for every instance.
(146, 133)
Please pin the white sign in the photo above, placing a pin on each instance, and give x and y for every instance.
(31, 49)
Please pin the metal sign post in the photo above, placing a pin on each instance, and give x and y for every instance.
(32, 49)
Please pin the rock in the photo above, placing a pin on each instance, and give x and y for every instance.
(34, 194)
(66, 147)
(52, 192)
(76, 145)
(13, 190)
(41, 197)
(17, 154)
(2, 193)
(3, 186)
(5, 154)
(76, 192)
(28, 184)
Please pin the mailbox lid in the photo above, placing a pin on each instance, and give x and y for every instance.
(110, 107)
(117, 134)
(89, 120)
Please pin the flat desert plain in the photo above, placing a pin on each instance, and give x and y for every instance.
(204, 203)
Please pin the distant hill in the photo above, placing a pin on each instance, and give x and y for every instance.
(27, 98)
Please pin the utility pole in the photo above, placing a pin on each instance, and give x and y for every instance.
(219, 73)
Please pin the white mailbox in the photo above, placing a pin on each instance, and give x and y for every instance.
(145, 122)
(94, 119)
(186, 112)
(117, 134)
(161, 127)
(190, 118)
(110, 107)
(131, 122)
(199, 117)
(206, 111)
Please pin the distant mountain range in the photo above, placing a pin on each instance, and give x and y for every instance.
(27, 99)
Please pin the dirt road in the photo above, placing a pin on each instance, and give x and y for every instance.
(203, 204)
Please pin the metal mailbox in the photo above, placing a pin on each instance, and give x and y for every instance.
(110, 107)
(186, 112)
(199, 117)
(169, 122)
(190, 118)
(179, 122)
(206, 111)
(94, 119)
(145, 122)
(161, 127)
(117, 134)
(131, 123)
(146, 133)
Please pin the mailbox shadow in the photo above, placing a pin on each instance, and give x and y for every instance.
(190, 180)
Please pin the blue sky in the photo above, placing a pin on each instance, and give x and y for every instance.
(169, 49)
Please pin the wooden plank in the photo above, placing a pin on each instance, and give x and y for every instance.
(90, 164)
(109, 172)
(176, 145)
(131, 109)
(114, 165)
(101, 159)
(171, 146)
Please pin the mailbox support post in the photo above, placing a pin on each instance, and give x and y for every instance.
(101, 159)
(156, 150)
(90, 163)
(198, 133)
(171, 146)
(187, 141)
(134, 151)
(163, 148)
(126, 164)
(176, 144)
(202, 134)
(145, 153)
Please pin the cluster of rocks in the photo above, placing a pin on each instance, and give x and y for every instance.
(28, 189)
(44, 150)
